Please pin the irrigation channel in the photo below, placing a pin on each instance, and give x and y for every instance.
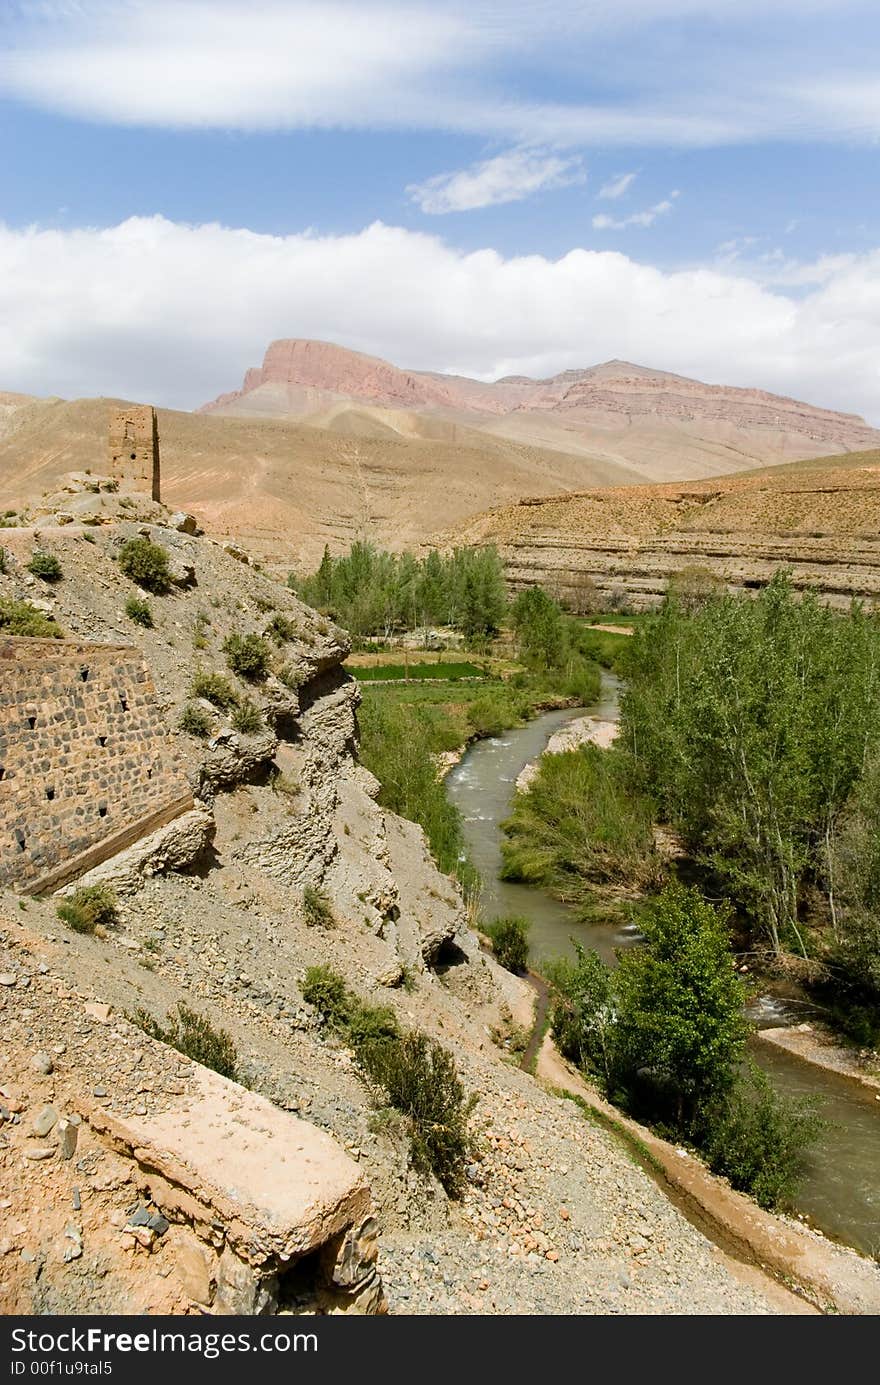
(840, 1193)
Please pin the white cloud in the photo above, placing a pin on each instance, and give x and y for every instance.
(604, 222)
(617, 186)
(449, 64)
(508, 177)
(171, 313)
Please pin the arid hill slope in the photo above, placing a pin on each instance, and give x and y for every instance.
(324, 445)
(821, 519)
(286, 488)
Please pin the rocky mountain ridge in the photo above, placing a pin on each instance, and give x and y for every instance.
(297, 374)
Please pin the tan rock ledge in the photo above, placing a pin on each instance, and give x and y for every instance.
(262, 1185)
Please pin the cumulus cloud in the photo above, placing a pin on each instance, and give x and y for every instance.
(452, 65)
(617, 186)
(604, 222)
(509, 177)
(155, 310)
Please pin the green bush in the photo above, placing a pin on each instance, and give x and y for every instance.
(326, 990)
(583, 1011)
(371, 1024)
(665, 1035)
(317, 910)
(195, 721)
(420, 1079)
(214, 687)
(417, 1075)
(3, 560)
(246, 717)
(248, 656)
(21, 618)
(758, 1139)
(681, 1030)
(510, 943)
(281, 628)
(45, 566)
(88, 906)
(582, 822)
(147, 564)
(77, 919)
(396, 747)
(292, 678)
(194, 1036)
(139, 611)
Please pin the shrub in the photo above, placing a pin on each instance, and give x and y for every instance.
(88, 906)
(246, 717)
(417, 1075)
(681, 1029)
(326, 990)
(76, 918)
(583, 822)
(214, 687)
(422, 1083)
(395, 747)
(46, 566)
(194, 1036)
(317, 910)
(146, 563)
(3, 560)
(195, 721)
(292, 678)
(21, 618)
(371, 1024)
(758, 1139)
(139, 611)
(248, 656)
(583, 1011)
(281, 628)
(510, 944)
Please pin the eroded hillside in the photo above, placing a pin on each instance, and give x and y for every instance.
(555, 1217)
(819, 518)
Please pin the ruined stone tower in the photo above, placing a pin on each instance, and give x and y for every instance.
(134, 448)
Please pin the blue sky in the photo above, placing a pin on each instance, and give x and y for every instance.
(692, 184)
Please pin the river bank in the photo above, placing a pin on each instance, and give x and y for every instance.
(822, 1049)
(839, 1193)
(829, 1277)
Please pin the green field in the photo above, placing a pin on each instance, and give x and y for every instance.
(388, 673)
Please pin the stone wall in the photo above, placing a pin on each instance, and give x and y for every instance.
(86, 766)
(134, 448)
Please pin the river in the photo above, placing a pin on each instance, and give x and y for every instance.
(840, 1193)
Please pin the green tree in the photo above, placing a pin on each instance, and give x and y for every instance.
(750, 720)
(681, 1029)
(540, 628)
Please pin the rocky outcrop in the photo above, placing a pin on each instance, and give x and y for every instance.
(174, 847)
(611, 545)
(279, 1197)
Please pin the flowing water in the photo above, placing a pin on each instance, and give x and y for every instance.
(840, 1193)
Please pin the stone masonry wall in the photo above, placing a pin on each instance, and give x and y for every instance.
(86, 766)
(134, 448)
